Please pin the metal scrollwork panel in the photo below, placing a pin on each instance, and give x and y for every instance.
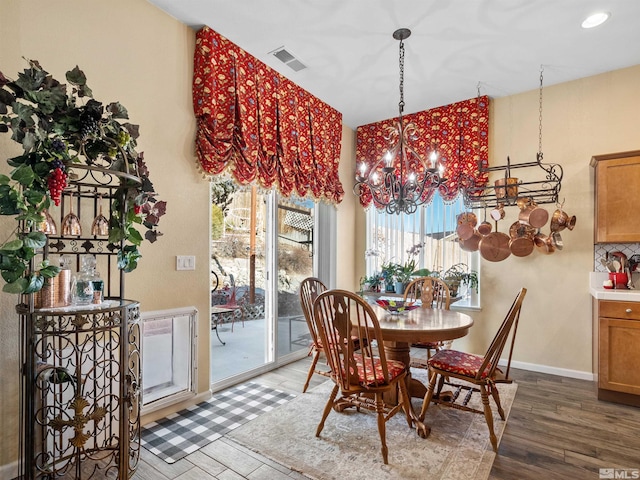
(87, 376)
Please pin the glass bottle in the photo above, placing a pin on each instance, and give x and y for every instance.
(84, 289)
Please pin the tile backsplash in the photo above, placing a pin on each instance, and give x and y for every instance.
(601, 249)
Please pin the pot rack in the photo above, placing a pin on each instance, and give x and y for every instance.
(544, 190)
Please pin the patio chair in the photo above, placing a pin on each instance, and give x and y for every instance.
(481, 372)
(362, 377)
(220, 299)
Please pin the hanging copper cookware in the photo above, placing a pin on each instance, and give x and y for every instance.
(532, 214)
(498, 212)
(495, 247)
(561, 220)
(521, 242)
(543, 243)
(556, 240)
(506, 187)
(466, 225)
(472, 243)
(485, 227)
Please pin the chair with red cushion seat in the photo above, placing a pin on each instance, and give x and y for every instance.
(361, 376)
(310, 288)
(480, 371)
(432, 293)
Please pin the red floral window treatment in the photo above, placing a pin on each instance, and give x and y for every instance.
(459, 131)
(258, 126)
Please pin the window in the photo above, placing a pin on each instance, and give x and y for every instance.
(429, 237)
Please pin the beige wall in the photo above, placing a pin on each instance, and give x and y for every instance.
(136, 54)
(347, 216)
(591, 116)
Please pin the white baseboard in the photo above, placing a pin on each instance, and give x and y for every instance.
(10, 470)
(563, 372)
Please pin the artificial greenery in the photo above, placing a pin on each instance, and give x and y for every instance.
(59, 127)
(454, 276)
(459, 274)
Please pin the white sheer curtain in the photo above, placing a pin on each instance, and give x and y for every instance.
(391, 237)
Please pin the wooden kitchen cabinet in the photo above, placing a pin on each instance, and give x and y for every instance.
(617, 196)
(619, 352)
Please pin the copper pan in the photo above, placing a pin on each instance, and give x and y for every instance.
(472, 243)
(467, 217)
(498, 212)
(485, 227)
(521, 242)
(495, 247)
(465, 231)
(466, 225)
(556, 240)
(543, 243)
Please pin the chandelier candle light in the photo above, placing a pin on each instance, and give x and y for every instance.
(401, 180)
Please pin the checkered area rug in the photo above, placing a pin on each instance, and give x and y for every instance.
(188, 430)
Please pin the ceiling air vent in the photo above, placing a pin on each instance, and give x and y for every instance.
(288, 59)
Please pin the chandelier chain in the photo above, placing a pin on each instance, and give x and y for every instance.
(401, 63)
(540, 114)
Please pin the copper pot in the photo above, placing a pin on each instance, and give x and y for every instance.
(543, 243)
(508, 191)
(521, 243)
(533, 215)
(498, 212)
(465, 231)
(561, 220)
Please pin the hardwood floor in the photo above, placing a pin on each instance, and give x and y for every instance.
(557, 429)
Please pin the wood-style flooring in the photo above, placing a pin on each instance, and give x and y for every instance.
(557, 429)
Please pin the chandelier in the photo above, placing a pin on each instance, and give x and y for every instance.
(402, 179)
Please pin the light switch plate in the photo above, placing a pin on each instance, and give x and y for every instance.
(185, 262)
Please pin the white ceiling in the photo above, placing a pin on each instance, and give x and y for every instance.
(455, 45)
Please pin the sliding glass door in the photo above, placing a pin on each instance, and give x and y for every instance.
(262, 247)
(295, 224)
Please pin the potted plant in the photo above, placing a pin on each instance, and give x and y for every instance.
(373, 282)
(388, 272)
(59, 129)
(404, 272)
(457, 275)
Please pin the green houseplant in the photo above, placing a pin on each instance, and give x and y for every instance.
(60, 127)
(372, 282)
(459, 274)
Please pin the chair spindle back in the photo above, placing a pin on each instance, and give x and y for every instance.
(343, 318)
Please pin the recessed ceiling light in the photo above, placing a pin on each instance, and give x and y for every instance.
(595, 19)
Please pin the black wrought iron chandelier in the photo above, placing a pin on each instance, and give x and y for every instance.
(402, 179)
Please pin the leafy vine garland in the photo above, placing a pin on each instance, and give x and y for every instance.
(57, 130)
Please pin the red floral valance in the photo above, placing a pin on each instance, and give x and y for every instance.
(258, 126)
(459, 131)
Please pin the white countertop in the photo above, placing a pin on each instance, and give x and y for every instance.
(600, 293)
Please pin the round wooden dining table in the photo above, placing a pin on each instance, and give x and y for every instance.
(399, 331)
(420, 325)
